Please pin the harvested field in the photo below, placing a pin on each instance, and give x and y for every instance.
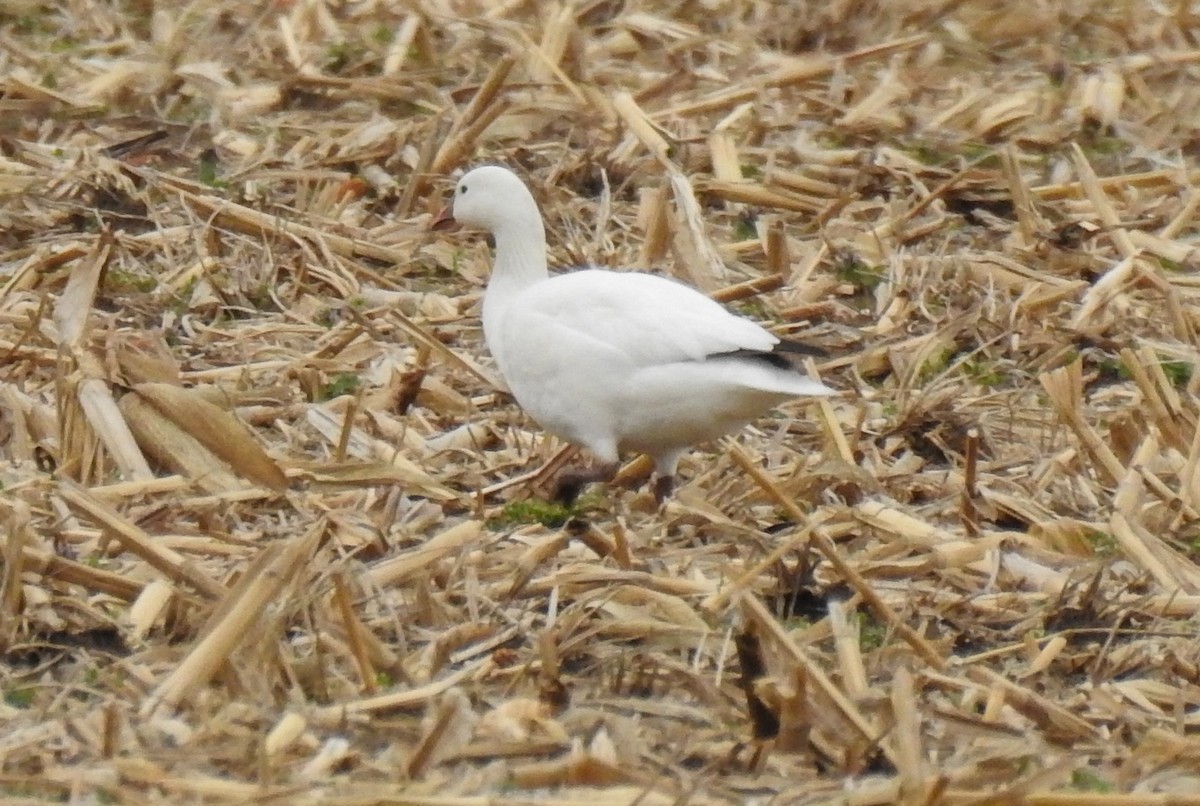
(273, 532)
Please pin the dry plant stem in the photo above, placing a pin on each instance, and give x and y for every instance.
(423, 336)
(73, 311)
(1189, 477)
(640, 125)
(447, 716)
(561, 460)
(1065, 725)
(341, 593)
(48, 564)
(550, 62)
(136, 541)
(970, 513)
(536, 477)
(1100, 202)
(111, 730)
(1159, 396)
(969, 797)
(587, 533)
(217, 430)
(413, 698)
(196, 786)
(278, 566)
(394, 570)
(133, 489)
(832, 426)
(717, 603)
(101, 412)
(703, 264)
(1063, 386)
(244, 219)
(532, 558)
(550, 672)
(14, 562)
(845, 571)
(170, 445)
(487, 93)
(753, 610)
(419, 179)
(779, 260)
(760, 196)
(460, 145)
(351, 412)
(622, 553)
(654, 217)
(750, 288)
(786, 76)
(1027, 216)
(635, 471)
(723, 151)
(907, 733)
(933, 195)
(1144, 179)
(848, 645)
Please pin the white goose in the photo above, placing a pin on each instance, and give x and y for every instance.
(615, 361)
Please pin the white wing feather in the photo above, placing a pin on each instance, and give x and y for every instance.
(650, 319)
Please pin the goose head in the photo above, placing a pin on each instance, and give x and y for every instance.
(494, 199)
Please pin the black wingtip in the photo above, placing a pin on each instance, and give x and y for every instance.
(782, 356)
(800, 348)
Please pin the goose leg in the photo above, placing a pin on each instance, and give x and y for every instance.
(570, 482)
(663, 487)
(664, 475)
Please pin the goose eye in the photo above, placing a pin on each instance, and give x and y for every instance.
(462, 190)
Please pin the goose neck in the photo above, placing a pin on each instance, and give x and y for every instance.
(520, 256)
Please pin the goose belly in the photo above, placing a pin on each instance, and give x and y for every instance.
(683, 404)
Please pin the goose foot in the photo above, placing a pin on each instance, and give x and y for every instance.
(570, 482)
(663, 487)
